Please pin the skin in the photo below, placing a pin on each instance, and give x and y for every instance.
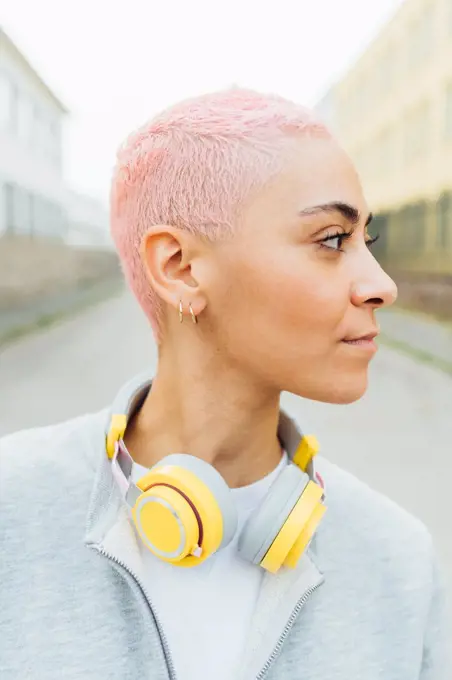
(274, 303)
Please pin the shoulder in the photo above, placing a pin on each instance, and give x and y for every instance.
(47, 477)
(382, 562)
(67, 448)
(371, 535)
(351, 497)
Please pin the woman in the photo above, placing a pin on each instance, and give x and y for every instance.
(242, 229)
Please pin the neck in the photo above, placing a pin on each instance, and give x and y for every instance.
(211, 413)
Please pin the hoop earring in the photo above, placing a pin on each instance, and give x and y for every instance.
(181, 311)
(193, 315)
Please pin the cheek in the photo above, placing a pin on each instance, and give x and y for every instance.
(308, 295)
(279, 295)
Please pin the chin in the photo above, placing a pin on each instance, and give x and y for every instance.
(345, 391)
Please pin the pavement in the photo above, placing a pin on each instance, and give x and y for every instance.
(397, 438)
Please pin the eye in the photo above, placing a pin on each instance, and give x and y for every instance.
(335, 242)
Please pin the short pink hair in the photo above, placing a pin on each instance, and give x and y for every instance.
(194, 166)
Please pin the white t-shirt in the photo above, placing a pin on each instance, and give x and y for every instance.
(205, 611)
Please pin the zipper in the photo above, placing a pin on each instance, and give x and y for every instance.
(298, 607)
(160, 632)
(164, 641)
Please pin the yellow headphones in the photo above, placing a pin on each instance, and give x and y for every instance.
(184, 511)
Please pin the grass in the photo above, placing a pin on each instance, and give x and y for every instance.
(418, 354)
(423, 314)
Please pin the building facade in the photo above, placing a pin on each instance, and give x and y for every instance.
(393, 112)
(32, 191)
(34, 198)
(87, 223)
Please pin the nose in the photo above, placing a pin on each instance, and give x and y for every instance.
(374, 287)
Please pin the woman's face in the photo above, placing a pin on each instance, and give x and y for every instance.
(299, 279)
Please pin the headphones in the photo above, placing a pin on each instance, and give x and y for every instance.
(183, 510)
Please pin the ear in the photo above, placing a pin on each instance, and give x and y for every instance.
(169, 257)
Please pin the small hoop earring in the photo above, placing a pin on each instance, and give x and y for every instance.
(193, 315)
(181, 312)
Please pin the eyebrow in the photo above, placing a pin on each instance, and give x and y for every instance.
(348, 211)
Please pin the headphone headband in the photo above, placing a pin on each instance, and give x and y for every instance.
(300, 448)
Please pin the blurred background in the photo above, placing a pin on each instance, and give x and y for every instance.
(76, 78)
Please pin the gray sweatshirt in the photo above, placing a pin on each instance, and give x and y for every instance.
(364, 603)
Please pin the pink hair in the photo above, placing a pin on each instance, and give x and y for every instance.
(194, 166)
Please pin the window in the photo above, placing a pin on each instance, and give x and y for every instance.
(23, 219)
(444, 222)
(24, 118)
(411, 229)
(47, 218)
(17, 209)
(31, 213)
(39, 141)
(5, 101)
(51, 140)
(8, 202)
(416, 228)
(57, 144)
(14, 108)
(43, 227)
(46, 135)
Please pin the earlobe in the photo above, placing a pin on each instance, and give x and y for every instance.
(194, 318)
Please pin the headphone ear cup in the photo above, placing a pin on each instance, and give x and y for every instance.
(221, 491)
(266, 522)
(304, 538)
(186, 511)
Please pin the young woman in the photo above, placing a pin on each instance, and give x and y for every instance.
(182, 533)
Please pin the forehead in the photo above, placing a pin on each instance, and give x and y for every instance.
(317, 172)
(321, 171)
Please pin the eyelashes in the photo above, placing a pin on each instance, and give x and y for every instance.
(342, 237)
(370, 241)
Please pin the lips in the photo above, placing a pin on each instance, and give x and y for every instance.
(369, 337)
(363, 342)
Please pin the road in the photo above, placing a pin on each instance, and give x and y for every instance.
(397, 438)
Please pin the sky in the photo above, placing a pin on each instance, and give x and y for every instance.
(115, 64)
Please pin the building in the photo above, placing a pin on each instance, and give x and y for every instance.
(34, 198)
(87, 223)
(32, 190)
(393, 112)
